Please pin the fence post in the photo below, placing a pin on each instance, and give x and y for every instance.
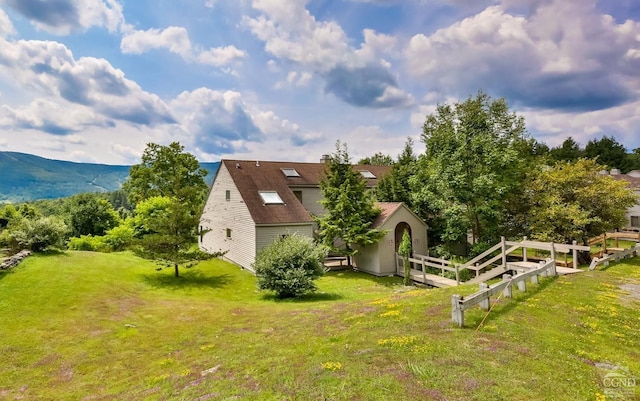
(524, 250)
(507, 289)
(477, 271)
(575, 255)
(504, 251)
(522, 285)
(424, 270)
(552, 270)
(457, 274)
(484, 304)
(457, 314)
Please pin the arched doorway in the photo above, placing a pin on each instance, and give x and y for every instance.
(399, 231)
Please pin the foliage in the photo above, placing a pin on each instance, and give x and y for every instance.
(36, 234)
(169, 232)
(608, 152)
(571, 201)
(350, 208)
(570, 150)
(290, 266)
(470, 178)
(88, 243)
(379, 159)
(167, 171)
(404, 250)
(119, 238)
(90, 214)
(395, 186)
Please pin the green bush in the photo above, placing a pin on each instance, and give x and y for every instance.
(35, 234)
(289, 266)
(89, 243)
(120, 237)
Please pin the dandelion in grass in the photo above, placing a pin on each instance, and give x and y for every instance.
(332, 366)
(382, 301)
(397, 341)
(206, 347)
(390, 313)
(185, 372)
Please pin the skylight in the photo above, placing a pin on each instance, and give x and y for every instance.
(270, 197)
(367, 174)
(290, 172)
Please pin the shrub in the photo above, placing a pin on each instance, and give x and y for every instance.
(37, 234)
(289, 266)
(119, 238)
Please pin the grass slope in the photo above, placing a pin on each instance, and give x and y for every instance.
(88, 326)
(27, 177)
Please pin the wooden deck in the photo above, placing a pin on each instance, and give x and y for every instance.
(432, 280)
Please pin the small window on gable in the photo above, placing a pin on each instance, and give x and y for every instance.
(270, 197)
(367, 174)
(229, 233)
(298, 194)
(290, 172)
(227, 195)
(635, 221)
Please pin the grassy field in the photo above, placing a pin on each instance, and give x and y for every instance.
(88, 326)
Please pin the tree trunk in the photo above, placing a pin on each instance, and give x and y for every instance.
(175, 266)
(407, 271)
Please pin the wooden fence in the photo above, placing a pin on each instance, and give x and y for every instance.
(460, 304)
(614, 257)
(419, 263)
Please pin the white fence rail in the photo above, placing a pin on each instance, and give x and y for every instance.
(614, 257)
(460, 304)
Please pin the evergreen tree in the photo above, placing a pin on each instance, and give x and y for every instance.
(350, 208)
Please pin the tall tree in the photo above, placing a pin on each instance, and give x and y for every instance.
(379, 159)
(608, 152)
(570, 150)
(167, 171)
(173, 182)
(90, 214)
(477, 153)
(395, 186)
(350, 208)
(571, 201)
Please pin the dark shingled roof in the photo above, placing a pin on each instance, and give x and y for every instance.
(253, 176)
(634, 182)
(387, 209)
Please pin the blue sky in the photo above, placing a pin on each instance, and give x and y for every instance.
(95, 80)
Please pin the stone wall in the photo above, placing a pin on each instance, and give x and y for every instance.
(12, 261)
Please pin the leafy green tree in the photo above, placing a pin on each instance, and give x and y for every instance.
(379, 159)
(167, 171)
(290, 266)
(350, 208)
(168, 188)
(90, 214)
(607, 151)
(633, 159)
(570, 150)
(404, 250)
(395, 186)
(477, 155)
(571, 201)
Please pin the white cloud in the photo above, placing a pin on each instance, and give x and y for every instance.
(173, 38)
(221, 56)
(6, 27)
(62, 17)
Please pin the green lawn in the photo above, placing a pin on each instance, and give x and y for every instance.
(88, 326)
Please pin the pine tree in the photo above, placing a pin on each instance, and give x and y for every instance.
(350, 208)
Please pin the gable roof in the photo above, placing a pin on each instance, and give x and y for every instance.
(251, 177)
(633, 180)
(388, 209)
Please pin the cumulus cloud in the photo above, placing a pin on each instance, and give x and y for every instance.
(221, 56)
(219, 122)
(62, 17)
(290, 32)
(6, 27)
(175, 39)
(49, 68)
(562, 55)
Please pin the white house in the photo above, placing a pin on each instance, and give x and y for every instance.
(633, 178)
(253, 203)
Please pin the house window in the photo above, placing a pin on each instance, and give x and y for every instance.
(635, 221)
(367, 174)
(270, 198)
(227, 195)
(290, 172)
(298, 194)
(229, 233)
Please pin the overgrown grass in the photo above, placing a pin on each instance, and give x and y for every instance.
(88, 326)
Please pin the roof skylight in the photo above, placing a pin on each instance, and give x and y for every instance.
(367, 174)
(270, 198)
(290, 172)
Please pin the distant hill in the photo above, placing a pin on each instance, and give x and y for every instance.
(25, 177)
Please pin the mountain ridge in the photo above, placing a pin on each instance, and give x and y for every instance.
(26, 177)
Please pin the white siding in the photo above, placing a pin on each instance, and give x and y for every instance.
(219, 215)
(380, 259)
(311, 198)
(265, 235)
(633, 211)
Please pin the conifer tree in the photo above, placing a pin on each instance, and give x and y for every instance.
(350, 208)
